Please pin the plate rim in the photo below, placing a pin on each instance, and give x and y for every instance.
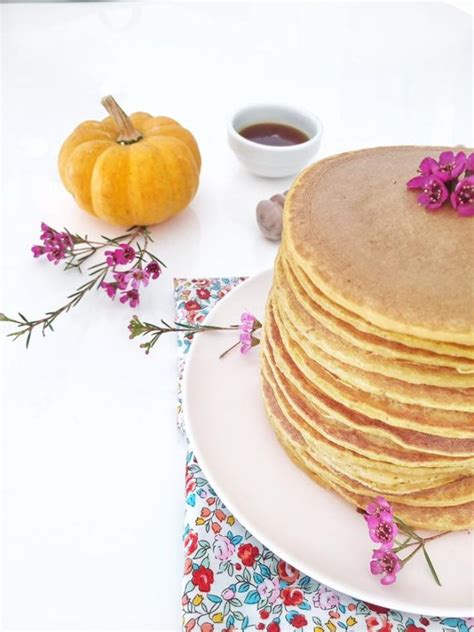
(393, 603)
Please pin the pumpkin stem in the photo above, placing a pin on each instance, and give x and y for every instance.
(127, 133)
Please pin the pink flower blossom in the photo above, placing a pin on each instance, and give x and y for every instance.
(245, 342)
(55, 253)
(110, 288)
(228, 594)
(130, 296)
(378, 506)
(55, 244)
(38, 251)
(120, 256)
(380, 520)
(462, 198)
(153, 269)
(427, 166)
(449, 165)
(247, 321)
(470, 165)
(139, 277)
(382, 529)
(246, 327)
(222, 548)
(325, 598)
(48, 233)
(122, 279)
(385, 562)
(269, 589)
(434, 192)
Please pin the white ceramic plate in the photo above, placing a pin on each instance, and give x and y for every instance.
(310, 528)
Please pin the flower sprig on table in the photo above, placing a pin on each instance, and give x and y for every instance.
(384, 527)
(441, 179)
(249, 324)
(129, 266)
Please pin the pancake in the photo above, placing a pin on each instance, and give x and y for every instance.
(309, 332)
(371, 386)
(373, 444)
(363, 263)
(310, 311)
(367, 346)
(458, 490)
(394, 416)
(445, 348)
(455, 517)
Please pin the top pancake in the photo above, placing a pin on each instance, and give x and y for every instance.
(362, 238)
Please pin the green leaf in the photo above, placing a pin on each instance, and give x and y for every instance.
(431, 567)
(277, 609)
(362, 608)
(200, 553)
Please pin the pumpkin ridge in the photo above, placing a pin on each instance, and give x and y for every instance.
(85, 186)
(182, 141)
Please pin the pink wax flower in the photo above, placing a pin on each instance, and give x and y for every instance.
(139, 277)
(55, 244)
(120, 256)
(153, 269)
(382, 529)
(434, 192)
(449, 165)
(462, 198)
(110, 289)
(38, 251)
(385, 562)
(247, 321)
(245, 342)
(130, 296)
(55, 253)
(427, 166)
(122, 279)
(246, 327)
(48, 233)
(470, 165)
(379, 506)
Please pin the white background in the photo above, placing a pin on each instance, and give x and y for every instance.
(92, 461)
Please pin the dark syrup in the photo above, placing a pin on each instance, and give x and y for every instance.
(274, 134)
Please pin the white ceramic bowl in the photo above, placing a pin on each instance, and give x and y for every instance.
(274, 161)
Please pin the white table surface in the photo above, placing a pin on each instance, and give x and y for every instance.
(93, 463)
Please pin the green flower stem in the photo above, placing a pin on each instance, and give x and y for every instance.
(414, 552)
(139, 328)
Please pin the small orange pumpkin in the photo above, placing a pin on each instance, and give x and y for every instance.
(136, 170)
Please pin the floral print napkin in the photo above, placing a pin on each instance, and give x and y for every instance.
(231, 581)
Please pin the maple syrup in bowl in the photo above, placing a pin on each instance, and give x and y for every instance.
(274, 134)
(274, 141)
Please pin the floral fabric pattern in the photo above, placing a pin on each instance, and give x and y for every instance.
(231, 581)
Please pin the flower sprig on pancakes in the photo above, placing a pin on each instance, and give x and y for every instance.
(441, 179)
(384, 528)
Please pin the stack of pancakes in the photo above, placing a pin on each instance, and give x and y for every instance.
(368, 341)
